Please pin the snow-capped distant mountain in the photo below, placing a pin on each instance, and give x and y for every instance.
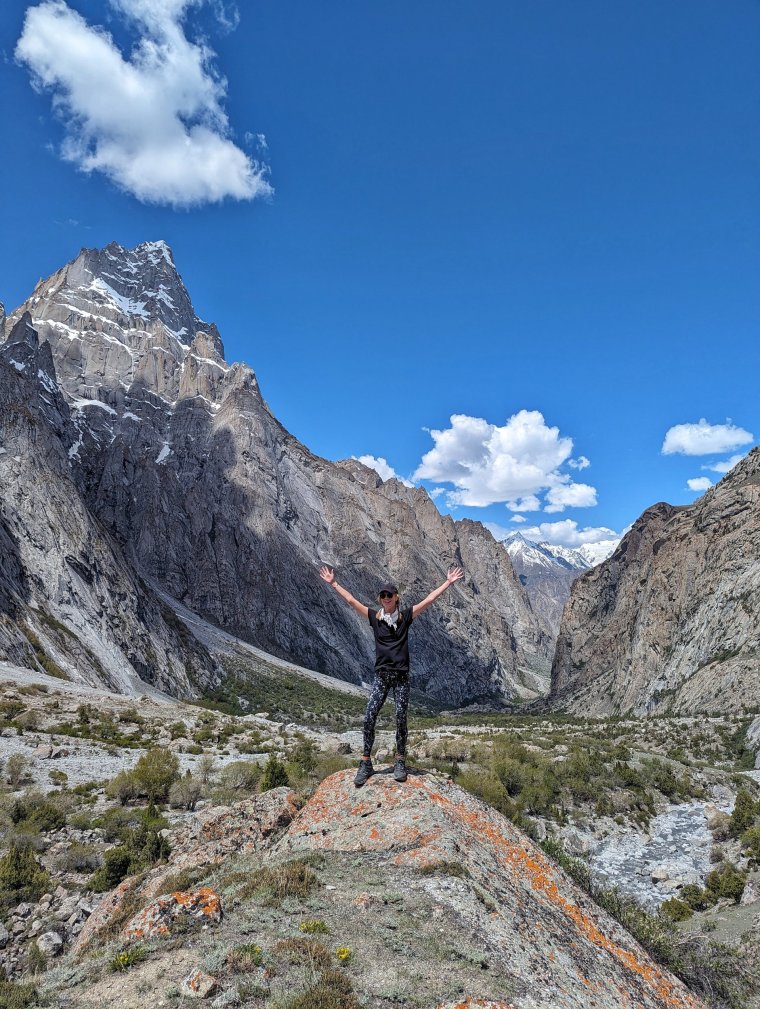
(547, 571)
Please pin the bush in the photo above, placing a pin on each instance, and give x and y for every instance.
(16, 770)
(744, 813)
(154, 773)
(123, 787)
(241, 776)
(142, 846)
(275, 775)
(36, 811)
(727, 883)
(22, 878)
(78, 857)
(185, 793)
(751, 843)
(676, 910)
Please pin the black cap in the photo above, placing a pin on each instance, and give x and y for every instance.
(389, 587)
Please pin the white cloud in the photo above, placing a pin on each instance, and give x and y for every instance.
(563, 533)
(511, 464)
(723, 465)
(382, 467)
(518, 518)
(152, 123)
(699, 483)
(704, 438)
(570, 495)
(580, 463)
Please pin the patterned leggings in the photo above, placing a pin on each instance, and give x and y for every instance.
(381, 685)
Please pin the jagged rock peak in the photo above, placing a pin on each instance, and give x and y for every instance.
(24, 332)
(132, 287)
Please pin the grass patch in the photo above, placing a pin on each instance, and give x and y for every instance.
(272, 884)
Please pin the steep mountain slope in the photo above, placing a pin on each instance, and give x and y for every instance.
(179, 457)
(68, 601)
(672, 619)
(547, 574)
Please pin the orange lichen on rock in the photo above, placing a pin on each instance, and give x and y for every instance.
(157, 918)
(543, 920)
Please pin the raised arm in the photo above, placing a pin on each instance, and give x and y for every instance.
(328, 575)
(453, 576)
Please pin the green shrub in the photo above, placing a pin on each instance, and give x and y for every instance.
(22, 878)
(36, 811)
(127, 958)
(676, 910)
(751, 843)
(726, 882)
(695, 897)
(123, 787)
(78, 857)
(154, 773)
(744, 813)
(275, 775)
(142, 846)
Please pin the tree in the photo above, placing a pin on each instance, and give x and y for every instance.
(22, 878)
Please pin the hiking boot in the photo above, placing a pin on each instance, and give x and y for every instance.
(399, 769)
(365, 772)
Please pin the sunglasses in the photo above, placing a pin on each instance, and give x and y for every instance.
(387, 595)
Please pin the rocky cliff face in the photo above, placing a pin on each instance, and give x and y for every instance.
(672, 619)
(178, 456)
(69, 603)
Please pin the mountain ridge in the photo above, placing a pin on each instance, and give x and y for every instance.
(179, 457)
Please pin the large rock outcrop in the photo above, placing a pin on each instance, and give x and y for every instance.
(178, 456)
(561, 949)
(672, 619)
(484, 886)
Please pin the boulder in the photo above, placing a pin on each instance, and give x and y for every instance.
(50, 943)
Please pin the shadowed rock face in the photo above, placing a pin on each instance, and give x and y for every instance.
(69, 602)
(181, 460)
(672, 619)
(562, 949)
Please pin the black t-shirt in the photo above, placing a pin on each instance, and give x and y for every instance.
(391, 644)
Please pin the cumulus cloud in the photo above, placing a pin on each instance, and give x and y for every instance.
(564, 533)
(580, 463)
(382, 467)
(514, 464)
(153, 123)
(570, 495)
(699, 483)
(723, 465)
(704, 438)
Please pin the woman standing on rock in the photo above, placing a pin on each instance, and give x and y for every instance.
(391, 628)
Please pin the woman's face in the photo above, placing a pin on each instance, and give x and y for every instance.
(388, 603)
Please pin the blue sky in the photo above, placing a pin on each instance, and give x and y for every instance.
(540, 210)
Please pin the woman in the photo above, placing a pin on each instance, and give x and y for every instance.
(391, 629)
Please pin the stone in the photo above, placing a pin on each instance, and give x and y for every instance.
(157, 919)
(50, 943)
(343, 748)
(43, 752)
(751, 892)
(4, 936)
(198, 984)
(23, 910)
(659, 874)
